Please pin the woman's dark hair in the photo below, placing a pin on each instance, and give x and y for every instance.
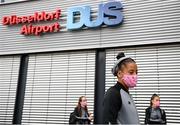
(152, 98)
(124, 61)
(79, 106)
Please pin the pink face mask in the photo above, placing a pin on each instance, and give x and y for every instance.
(158, 104)
(130, 80)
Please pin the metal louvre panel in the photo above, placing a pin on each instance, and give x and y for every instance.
(81, 40)
(54, 84)
(158, 71)
(11, 1)
(145, 22)
(9, 68)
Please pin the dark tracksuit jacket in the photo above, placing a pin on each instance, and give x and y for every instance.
(148, 116)
(74, 117)
(118, 106)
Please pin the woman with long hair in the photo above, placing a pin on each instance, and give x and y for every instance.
(81, 114)
(154, 114)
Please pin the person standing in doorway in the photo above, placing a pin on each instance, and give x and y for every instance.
(118, 105)
(154, 114)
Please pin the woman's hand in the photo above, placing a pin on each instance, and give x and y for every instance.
(90, 116)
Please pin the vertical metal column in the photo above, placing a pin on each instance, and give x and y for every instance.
(20, 92)
(99, 85)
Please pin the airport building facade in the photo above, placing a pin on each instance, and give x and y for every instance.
(52, 52)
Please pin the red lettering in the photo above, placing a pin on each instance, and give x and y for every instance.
(40, 16)
(18, 20)
(30, 19)
(24, 19)
(48, 16)
(35, 16)
(33, 30)
(51, 29)
(56, 26)
(24, 30)
(43, 16)
(13, 19)
(57, 14)
(46, 28)
(6, 20)
(29, 29)
(39, 29)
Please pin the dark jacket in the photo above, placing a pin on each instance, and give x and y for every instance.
(118, 106)
(148, 114)
(75, 118)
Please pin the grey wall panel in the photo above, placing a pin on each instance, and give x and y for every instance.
(11, 1)
(9, 69)
(54, 84)
(158, 71)
(145, 22)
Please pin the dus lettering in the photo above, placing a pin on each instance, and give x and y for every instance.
(108, 14)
